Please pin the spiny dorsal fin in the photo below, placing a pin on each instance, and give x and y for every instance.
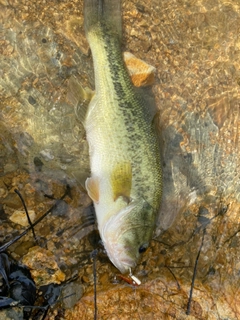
(79, 97)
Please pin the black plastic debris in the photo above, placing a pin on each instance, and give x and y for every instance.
(17, 286)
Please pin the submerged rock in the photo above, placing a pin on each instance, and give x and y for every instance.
(20, 217)
(43, 266)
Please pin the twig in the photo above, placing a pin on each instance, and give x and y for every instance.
(26, 210)
(194, 275)
(9, 243)
(94, 256)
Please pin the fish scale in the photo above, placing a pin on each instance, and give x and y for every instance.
(125, 182)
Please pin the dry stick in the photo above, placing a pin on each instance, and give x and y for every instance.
(26, 210)
(178, 285)
(94, 256)
(194, 275)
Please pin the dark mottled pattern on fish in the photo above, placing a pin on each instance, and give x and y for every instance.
(128, 104)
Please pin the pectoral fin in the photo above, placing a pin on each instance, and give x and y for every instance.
(121, 181)
(92, 186)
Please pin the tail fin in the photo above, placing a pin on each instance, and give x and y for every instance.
(102, 13)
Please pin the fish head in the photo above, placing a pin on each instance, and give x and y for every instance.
(127, 234)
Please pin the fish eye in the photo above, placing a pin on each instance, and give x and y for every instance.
(143, 248)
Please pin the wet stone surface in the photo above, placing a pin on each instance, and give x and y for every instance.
(194, 47)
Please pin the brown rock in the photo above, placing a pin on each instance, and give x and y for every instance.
(43, 266)
(20, 217)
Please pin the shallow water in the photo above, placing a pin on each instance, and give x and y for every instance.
(195, 47)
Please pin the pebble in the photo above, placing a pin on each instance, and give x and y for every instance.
(12, 201)
(3, 193)
(71, 294)
(20, 217)
(10, 167)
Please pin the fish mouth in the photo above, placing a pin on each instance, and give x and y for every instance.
(124, 265)
(119, 257)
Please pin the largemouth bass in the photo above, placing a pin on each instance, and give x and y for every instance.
(125, 183)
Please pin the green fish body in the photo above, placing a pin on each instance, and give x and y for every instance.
(125, 182)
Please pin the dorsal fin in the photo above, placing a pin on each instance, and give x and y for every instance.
(79, 97)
